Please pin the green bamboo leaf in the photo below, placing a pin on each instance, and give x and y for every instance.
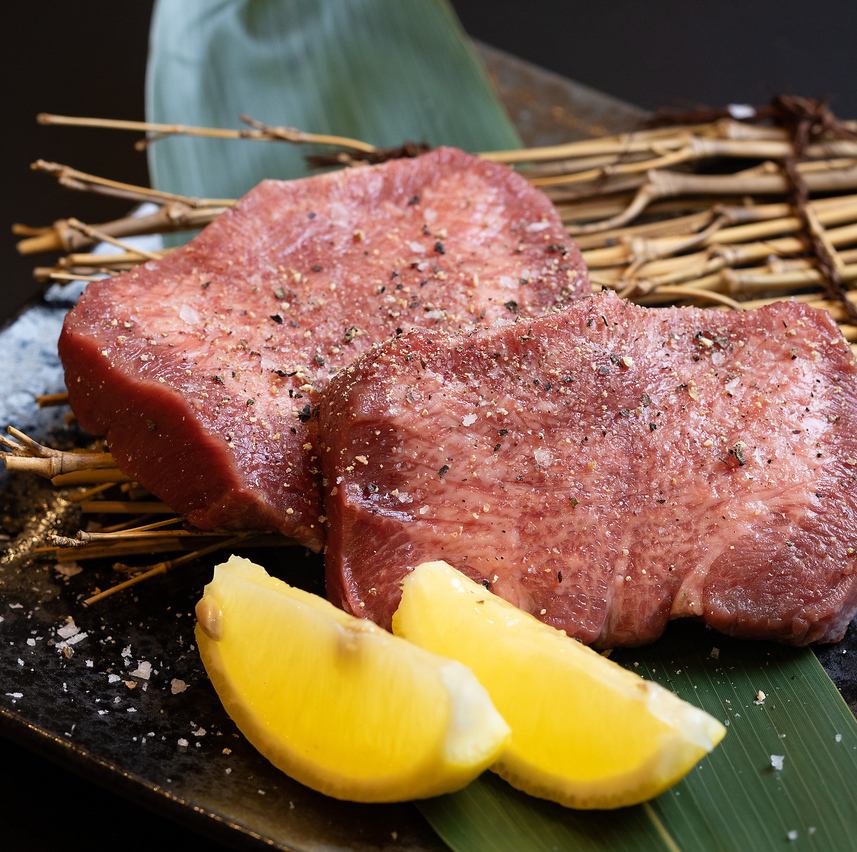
(390, 70)
(384, 71)
(735, 799)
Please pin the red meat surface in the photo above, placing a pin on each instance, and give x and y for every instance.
(606, 468)
(202, 368)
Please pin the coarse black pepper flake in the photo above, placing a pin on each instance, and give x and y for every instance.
(574, 502)
(439, 247)
(218, 379)
(305, 413)
(205, 285)
(502, 432)
(251, 402)
(319, 360)
(277, 319)
(737, 451)
(414, 199)
(486, 582)
(350, 333)
(511, 306)
(653, 426)
(316, 267)
(443, 471)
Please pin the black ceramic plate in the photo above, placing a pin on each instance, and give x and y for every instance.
(177, 750)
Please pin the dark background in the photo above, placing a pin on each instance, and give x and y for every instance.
(89, 59)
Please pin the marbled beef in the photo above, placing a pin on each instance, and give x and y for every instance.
(203, 367)
(606, 468)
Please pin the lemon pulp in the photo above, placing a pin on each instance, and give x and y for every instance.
(336, 702)
(585, 732)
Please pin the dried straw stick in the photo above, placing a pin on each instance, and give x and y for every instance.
(258, 131)
(25, 454)
(163, 567)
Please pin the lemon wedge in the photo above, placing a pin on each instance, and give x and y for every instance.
(336, 702)
(585, 732)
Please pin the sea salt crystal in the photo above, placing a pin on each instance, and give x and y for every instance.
(543, 456)
(143, 670)
(15, 695)
(777, 761)
(177, 685)
(534, 227)
(468, 420)
(126, 651)
(68, 630)
(760, 697)
(838, 738)
(199, 732)
(113, 678)
(741, 112)
(68, 569)
(73, 640)
(792, 835)
(31, 642)
(16, 606)
(183, 743)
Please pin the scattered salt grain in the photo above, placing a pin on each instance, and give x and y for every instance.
(143, 670)
(126, 651)
(777, 761)
(31, 642)
(68, 630)
(228, 770)
(67, 569)
(16, 606)
(227, 751)
(177, 685)
(113, 678)
(20, 662)
(792, 835)
(131, 709)
(183, 743)
(760, 697)
(15, 695)
(468, 420)
(543, 456)
(838, 738)
(715, 653)
(199, 732)
(89, 663)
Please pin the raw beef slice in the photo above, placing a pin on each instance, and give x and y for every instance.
(203, 367)
(606, 468)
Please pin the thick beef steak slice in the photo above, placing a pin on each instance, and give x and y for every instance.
(203, 368)
(606, 468)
